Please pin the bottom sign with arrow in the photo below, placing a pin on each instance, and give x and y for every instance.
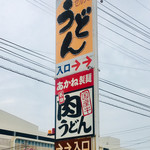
(74, 144)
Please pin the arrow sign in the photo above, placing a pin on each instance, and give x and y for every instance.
(88, 61)
(59, 148)
(69, 147)
(76, 65)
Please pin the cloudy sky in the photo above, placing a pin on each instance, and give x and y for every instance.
(124, 52)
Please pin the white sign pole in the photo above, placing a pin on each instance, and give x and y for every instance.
(96, 76)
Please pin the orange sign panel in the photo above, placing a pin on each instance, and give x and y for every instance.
(74, 35)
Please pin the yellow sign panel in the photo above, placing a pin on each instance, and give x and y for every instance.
(74, 36)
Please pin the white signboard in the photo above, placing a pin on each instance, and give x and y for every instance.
(74, 114)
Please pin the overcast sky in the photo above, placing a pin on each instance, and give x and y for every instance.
(123, 59)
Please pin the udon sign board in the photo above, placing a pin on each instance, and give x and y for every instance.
(74, 105)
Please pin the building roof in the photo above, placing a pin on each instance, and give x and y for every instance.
(14, 123)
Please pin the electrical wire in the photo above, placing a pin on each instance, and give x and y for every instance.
(42, 4)
(25, 66)
(101, 80)
(12, 61)
(124, 29)
(53, 85)
(143, 6)
(22, 74)
(125, 37)
(137, 143)
(27, 49)
(128, 25)
(26, 52)
(14, 71)
(128, 131)
(25, 75)
(24, 58)
(124, 88)
(125, 109)
(130, 100)
(126, 51)
(48, 12)
(127, 14)
(143, 32)
(129, 54)
(114, 99)
(121, 66)
(45, 3)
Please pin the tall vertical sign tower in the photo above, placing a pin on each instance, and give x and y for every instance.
(76, 84)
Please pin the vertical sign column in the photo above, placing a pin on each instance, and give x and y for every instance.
(76, 87)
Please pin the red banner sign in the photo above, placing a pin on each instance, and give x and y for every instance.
(74, 82)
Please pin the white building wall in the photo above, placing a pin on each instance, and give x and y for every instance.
(110, 143)
(5, 142)
(11, 122)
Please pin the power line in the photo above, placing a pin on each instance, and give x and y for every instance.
(126, 51)
(144, 105)
(45, 3)
(139, 139)
(26, 52)
(143, 6)
(137, 30)
(128, 14)
(128, 131)
(128, 67)
(102, 80)
(25, 75)
(138, 143)
(130, 54)
(125, 109)
(128, 25)
(27, 49)
(125, 144)
(114, 99)
(42, 4)
(48, 12)
(24, 58)
(25, 66)
(123, 88)
(125, 37)
(124, 30)
(9, 60)
(54, 85)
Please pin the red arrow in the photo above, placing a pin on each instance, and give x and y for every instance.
(76, 65)
(88, 61)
